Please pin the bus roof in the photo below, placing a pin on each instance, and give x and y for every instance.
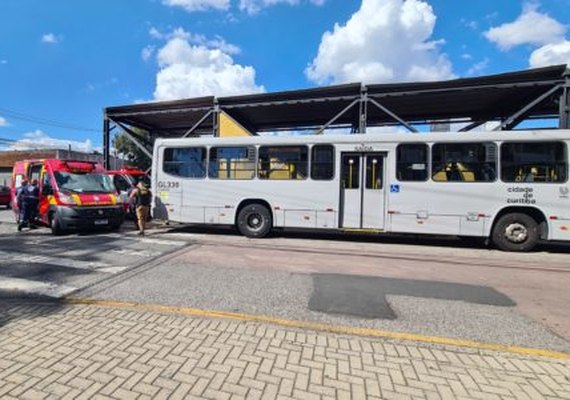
(555, 134)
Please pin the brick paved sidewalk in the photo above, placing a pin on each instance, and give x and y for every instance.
(87, 351)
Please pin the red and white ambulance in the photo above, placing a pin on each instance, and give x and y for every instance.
(73, 194)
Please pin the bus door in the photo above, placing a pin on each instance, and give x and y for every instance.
(362, 190)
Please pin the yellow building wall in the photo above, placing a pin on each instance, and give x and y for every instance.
(229, 127)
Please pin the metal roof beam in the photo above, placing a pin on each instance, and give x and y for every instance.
(564, 105)
(518, 116)
(340, 114)
(466, 88)
(131, 135)
(472, 126)
(391, 114)
(197, 124)
(154, 112)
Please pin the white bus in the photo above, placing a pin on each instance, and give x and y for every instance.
(511, 187)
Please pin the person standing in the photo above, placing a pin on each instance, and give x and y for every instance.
(20, 203)
(142, 197)
(33, 203)
(28, 199)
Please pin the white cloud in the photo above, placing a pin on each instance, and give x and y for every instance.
(147, 52)
(531, 27)
(479, 67)
(155, 33)
(249, 6)
(192, 66)
(50, 38)
(255, 6)
(535, 29)
(473, 25)
(3, 121)
(551, 54)
(39, 140)
(198, 5)
(3, 62)
(385, 40)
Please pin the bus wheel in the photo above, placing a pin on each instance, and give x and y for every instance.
(54, 224)
(515, 232)
(254, 221)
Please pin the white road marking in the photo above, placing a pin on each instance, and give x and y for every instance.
(166, 242)
(59, 261)
(137, 253)
(112, 270)
(35, 287)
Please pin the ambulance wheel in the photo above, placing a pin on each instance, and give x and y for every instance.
(254, 221)
(515, 232)
(54, 224)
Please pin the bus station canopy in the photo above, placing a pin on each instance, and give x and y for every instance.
(508, 98)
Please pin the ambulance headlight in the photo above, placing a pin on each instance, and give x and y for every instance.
(67, 199)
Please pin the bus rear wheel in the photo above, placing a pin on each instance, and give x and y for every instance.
(254, 221)
(515, 232)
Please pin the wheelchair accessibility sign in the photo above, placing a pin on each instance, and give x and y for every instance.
(394, 188)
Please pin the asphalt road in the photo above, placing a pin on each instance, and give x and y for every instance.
(437, 289)
(34, 263)
(434, 287)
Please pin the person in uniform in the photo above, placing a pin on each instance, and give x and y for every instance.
(20, 203)
(28, 200)
(142, 196)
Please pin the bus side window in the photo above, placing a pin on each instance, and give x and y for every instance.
(534, 162)
(186, 162)
(464, 162)
(283, 162)
(412, 162)
(322, 162)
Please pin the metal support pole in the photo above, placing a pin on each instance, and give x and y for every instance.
(517, 117)
(332, 121)
(391, 114)
(106, 144)
(197, 124)
(564, 119)
(216, 119)
(472, 125)
(363, 110)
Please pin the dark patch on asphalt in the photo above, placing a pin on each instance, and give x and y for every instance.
(42, 272)
(365, 296)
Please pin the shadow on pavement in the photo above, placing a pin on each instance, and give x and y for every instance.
(365, 296)
(17, 305)
(401, 239)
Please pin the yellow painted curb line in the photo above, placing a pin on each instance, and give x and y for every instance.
(345, 330)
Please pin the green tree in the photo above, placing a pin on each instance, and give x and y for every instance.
(130, 151)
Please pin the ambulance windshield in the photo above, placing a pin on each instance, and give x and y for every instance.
(84, 183)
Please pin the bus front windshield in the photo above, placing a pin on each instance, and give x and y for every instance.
(84, 183)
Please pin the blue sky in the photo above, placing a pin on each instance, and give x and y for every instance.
(63, 61)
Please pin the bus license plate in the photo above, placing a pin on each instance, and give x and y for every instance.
(101, 221)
